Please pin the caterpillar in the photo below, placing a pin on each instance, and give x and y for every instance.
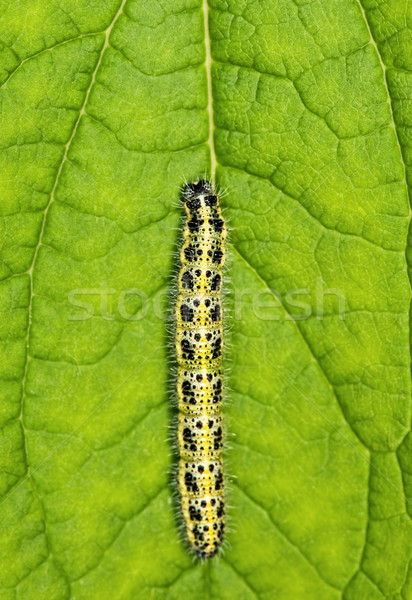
(198, 345)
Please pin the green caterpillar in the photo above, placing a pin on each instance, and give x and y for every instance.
(198, 343)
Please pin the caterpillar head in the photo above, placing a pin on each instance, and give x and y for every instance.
(198, 194)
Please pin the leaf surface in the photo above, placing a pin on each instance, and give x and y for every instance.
(305, 110)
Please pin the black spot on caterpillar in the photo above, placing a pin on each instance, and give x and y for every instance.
(198, 345)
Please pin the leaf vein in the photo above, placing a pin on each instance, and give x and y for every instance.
(49, 49)
(305, 341)
(287, 538)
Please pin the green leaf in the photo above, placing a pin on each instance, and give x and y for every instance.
(306, 111)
